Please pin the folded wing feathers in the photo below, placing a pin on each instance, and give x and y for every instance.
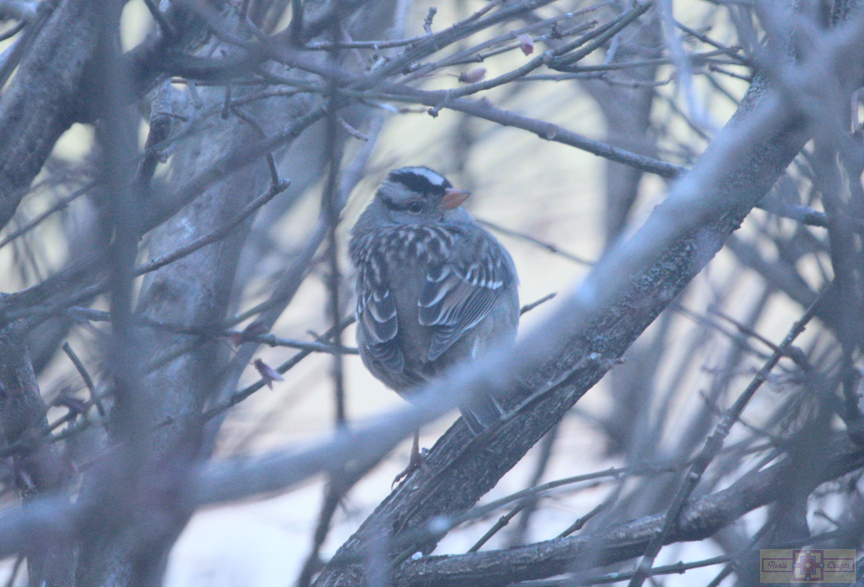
(461, 320)
(455, 299)
(389, 354)
(376, 315)
(455, 296)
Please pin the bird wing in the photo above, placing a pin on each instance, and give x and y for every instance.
(458, 293)
(376, 313)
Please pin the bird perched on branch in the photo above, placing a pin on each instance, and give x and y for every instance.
(433, 288)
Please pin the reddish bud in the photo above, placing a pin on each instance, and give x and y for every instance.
(256, 328)
(526, 43)
(472, 76)
(267, 373)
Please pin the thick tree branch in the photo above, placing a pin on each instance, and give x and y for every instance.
(38, 467)
(43, 97)
(699, 519)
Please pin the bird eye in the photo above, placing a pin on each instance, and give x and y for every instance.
(415, 207)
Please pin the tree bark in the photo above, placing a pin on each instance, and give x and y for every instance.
(45, 97)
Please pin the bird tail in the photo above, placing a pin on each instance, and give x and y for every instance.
(481, 412)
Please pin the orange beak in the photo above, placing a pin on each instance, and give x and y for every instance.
(453, 198)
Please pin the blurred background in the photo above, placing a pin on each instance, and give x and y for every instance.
(556, 208)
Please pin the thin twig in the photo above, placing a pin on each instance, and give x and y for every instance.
(732, 52)
(250, 120)
(382, 44)
(724, 71)
(217, 234)
(555, 249)
(580, 522)
(501, 523)
(600, 36)
(210, 332)
(465, 55)
(332, 496)
(532, 305)
(547, 444)
(460, 30)
(315, 346)
(427, 22)
(167, 28)
(61, 204)
(88, 381)
(545, 130)
(802, 214)
(697, 58)
(241, 394)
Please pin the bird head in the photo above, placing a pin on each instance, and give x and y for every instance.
(414, 195)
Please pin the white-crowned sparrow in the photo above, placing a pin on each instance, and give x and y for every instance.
(433, 287)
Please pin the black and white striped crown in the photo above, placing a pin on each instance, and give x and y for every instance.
(420, 179)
